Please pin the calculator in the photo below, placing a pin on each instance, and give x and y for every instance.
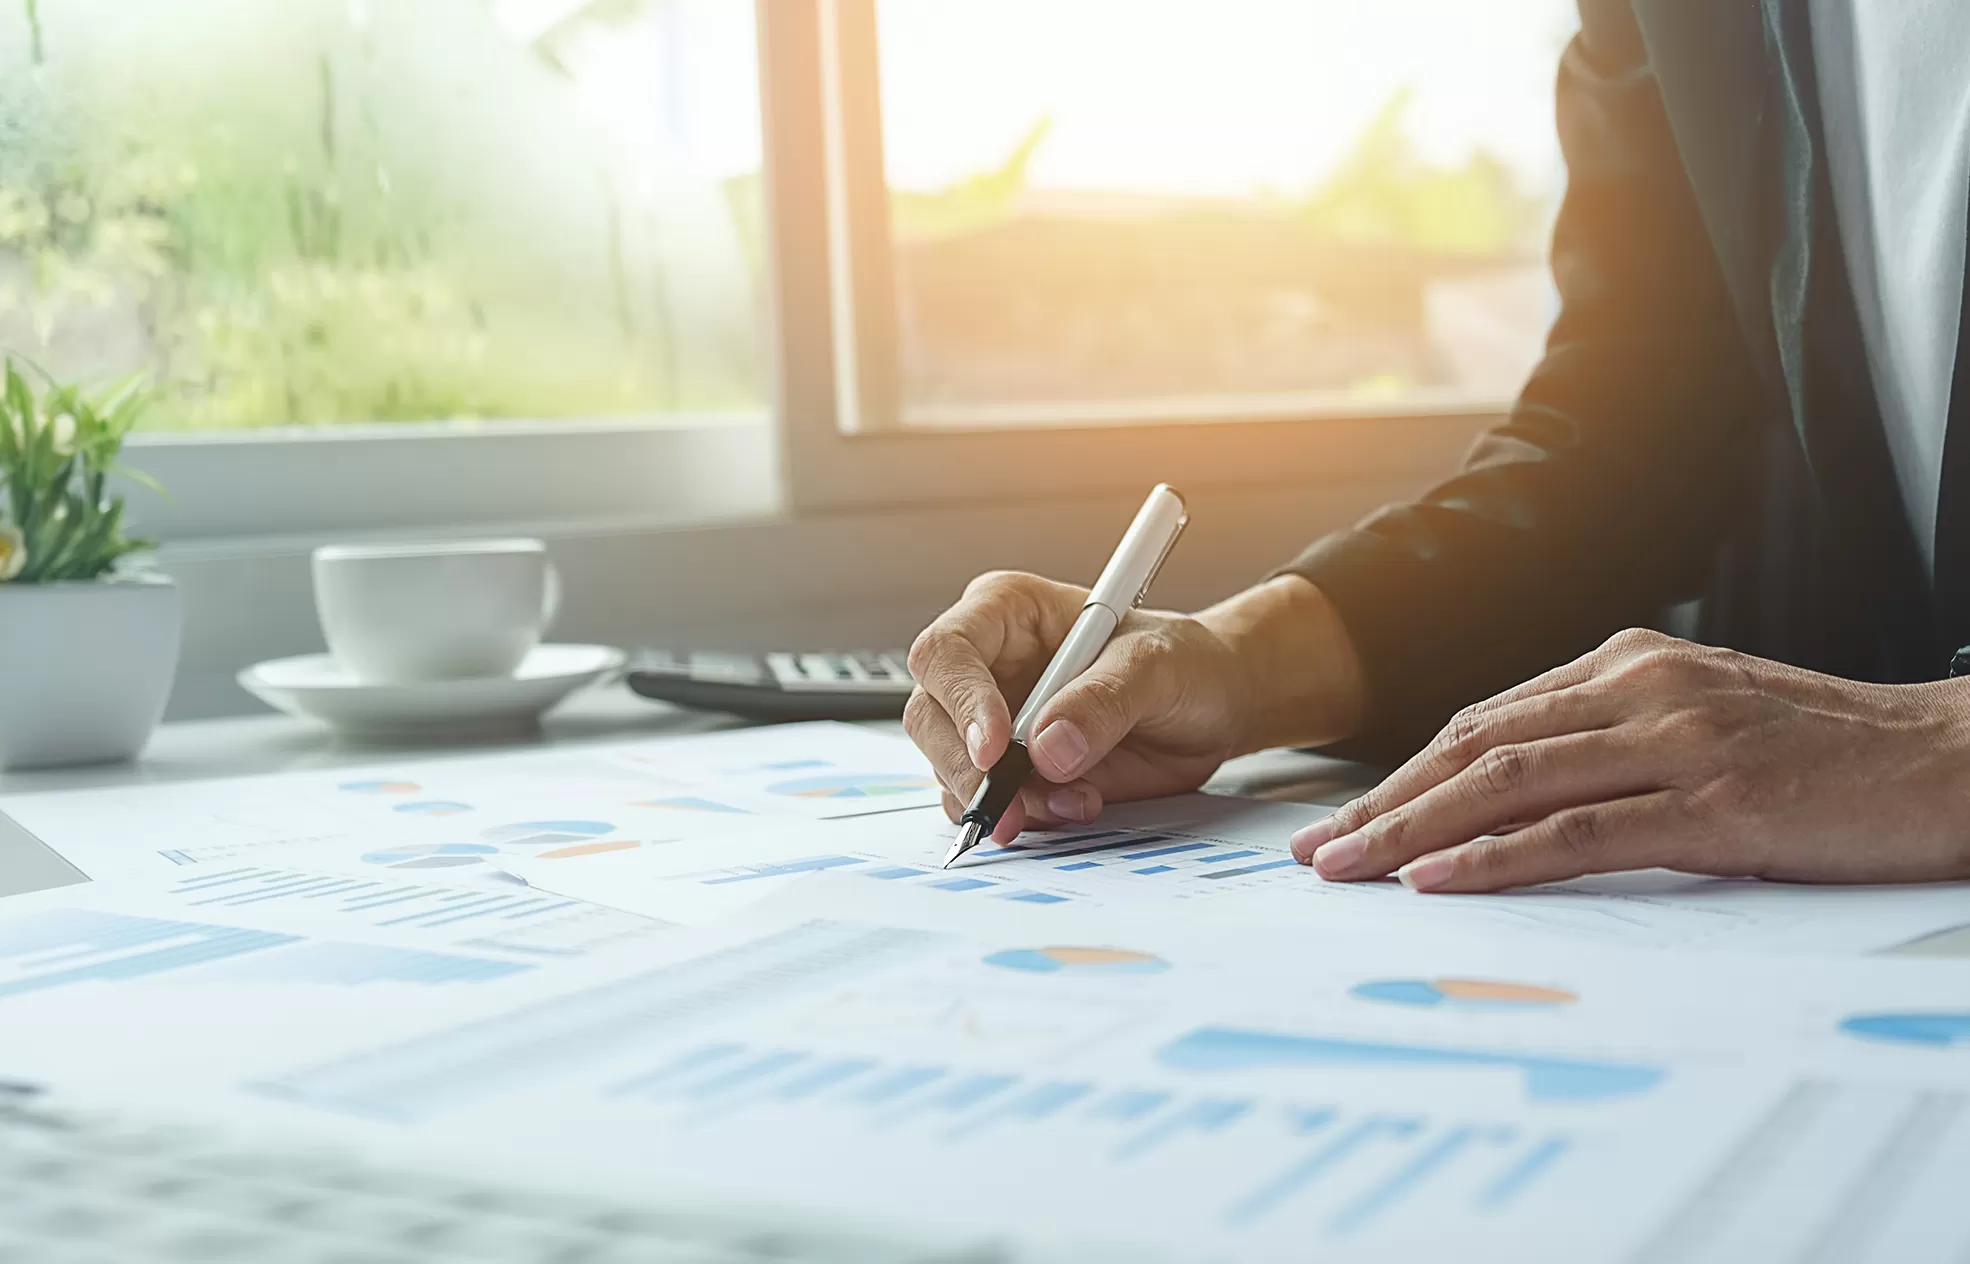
(863, 685)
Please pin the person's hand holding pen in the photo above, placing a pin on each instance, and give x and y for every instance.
(1168, 699)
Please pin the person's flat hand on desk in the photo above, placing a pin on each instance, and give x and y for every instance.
(1169, 699)
(1652, 751)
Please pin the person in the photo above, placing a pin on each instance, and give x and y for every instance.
(1755, 392)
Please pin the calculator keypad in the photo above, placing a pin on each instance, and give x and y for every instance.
(884, 673)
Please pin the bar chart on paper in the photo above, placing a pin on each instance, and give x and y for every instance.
(1350, 1166)
(70, 948)
(1056, 869)
(516, 921)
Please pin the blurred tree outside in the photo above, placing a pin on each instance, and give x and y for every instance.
(1393, 272)
(323, 211)
(1385, 193)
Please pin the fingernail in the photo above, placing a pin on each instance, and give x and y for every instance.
(974, 742)
(1069, 804)
(1063, 747)
(1311, 838)
(1429, 873)
(1338, 858)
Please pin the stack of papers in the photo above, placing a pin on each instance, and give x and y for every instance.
(729, 967)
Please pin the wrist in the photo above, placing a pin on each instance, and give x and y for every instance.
(1299, 680)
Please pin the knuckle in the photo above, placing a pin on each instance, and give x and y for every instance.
(1650, 670)
(1104, 701)
(1352, 816)
(1581, 834)
(1390, 830)
(1633, 641)
(930, 647)
(1487, 859)
(1465, 737)
(1503, 771)
(1151, 657)
(994, 584)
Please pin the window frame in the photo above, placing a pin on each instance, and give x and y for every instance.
(282, 485)
(301, 483)
(843, 440)
(831, 438)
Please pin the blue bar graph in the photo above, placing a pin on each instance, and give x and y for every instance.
(1129, 1105)
(1155, 869)
(1037, 897)
(810, 865)
(971, 1091)
(1079, 865)
(892, 874)
(695, 1060)
(1225, 856)
(413, 1079)
(1167, 851)
(1209, 1115)
(1332, 1155)
(351, 965)
(1085, 844)
(1527, 1170)
(1339, 1171)
(1216, 874)
(394, 903)
(899, 1084)
(64, 947)
(824, 1077)
(1415, 1172)
(963, 884)
(758, 1069)
(1545, 1079)
(1039, 1102)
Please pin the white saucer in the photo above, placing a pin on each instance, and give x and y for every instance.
(316, 686)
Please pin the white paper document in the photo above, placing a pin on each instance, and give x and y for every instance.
(454, 817)
(1229, 859)
(677, 967)
(1162, 1086)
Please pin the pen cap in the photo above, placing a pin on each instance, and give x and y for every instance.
(1126, 579)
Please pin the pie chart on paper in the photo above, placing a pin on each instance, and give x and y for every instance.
(1932, 1030)
(1468, 994)
(579, 850)
(430, 855)
(546, 833)
(851, 786)
(1072, 960)
(432, 807)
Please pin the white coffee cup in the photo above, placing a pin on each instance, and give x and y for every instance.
(401, 613)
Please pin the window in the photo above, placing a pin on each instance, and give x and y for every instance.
(1304, 238)
(404, 264)
(1117, 206)
(312, 212)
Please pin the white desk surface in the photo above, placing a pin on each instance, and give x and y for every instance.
(276, 743)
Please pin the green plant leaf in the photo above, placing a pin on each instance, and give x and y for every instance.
(72, 525)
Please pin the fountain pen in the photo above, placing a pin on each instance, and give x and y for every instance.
(1123, 584)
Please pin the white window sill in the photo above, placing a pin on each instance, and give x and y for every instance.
(291, 486)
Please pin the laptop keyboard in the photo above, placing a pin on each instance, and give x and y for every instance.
(76, 1188)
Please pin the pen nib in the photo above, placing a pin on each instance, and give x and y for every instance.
(967, 839)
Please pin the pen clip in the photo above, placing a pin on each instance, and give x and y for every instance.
(1169, 544)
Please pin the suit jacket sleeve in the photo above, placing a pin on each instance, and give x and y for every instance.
(1600, 499)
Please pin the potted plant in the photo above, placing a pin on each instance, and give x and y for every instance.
(88, 643)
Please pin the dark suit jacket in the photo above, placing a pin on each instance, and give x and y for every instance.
(1703, 423)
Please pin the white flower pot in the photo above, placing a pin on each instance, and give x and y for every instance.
(85, 668)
